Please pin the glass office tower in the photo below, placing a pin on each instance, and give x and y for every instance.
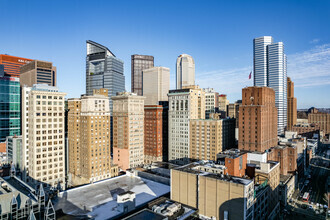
(10, 109)
(269, 65)
(103, 70)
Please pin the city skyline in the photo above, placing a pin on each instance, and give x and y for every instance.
(225, 57)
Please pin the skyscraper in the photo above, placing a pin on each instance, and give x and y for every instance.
(46, 152)
(12, 64)
(270, 70)
(128, 130)
(184, 104)
(10, 108)
(138, 64)
(257, 119)
(185, 71)
(156, 84)
(292, 105)
(89, 120)
(103, 70)
(260, 60)
(38, 72)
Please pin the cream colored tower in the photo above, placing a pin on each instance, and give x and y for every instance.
(184, 104)
(185, 71)
(156, 84)
(128, 130)
(46, 136)
(89, 138)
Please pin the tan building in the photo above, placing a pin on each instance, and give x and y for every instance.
(153, 133)
(156, 84)
(38, 72)
(205, 139)
(89, 138)
(223, 102)
(257, 119)
(322, 119)
(184, 104)
(46, 151)
(214, 194)
(128, 130)
(292, 105)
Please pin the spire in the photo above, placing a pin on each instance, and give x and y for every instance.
(50, 211)
(13, 201)
(31, 216)
(41, 190)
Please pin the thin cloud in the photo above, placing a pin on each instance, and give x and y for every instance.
(314, 41)
(310, 68)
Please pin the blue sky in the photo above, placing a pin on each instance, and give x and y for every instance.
(218, 34)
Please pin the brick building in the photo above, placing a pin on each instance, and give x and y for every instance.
(320, 118)
(287, 156)
(153, 133)
(257, 119)
(292, 105)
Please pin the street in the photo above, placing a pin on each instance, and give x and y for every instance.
(315, 184)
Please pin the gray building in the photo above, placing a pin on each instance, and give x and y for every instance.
(103, 70)
(138, 64)
(269, 64)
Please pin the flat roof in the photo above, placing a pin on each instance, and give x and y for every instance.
(145, 214)
(99, 200)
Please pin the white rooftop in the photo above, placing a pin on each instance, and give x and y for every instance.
(99, 200)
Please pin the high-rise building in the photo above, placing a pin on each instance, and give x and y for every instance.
(211, 101)
(185, 71)
(138, 64)
(292, 105)
(260, 60)
(270, 70)
(223, 102)
(153, 133)
(38, 72)
(205, 139)
(156, 84)
(128, 130)
(184, 104)
(103, 70)
(10, 108)
(12, 64)
(278, 81)
(89, 138)
(25, 103)
(257, 119)
(46, 136)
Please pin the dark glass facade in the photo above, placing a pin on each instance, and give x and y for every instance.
(103, 70)
(10, 109)
(138, 64)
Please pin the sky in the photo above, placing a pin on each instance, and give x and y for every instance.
(217, 34)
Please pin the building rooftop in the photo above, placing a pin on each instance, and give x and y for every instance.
(197, 168)
(145, 214)
(99, 200)
(231, 153)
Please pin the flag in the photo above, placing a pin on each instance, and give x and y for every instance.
(250, 75)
